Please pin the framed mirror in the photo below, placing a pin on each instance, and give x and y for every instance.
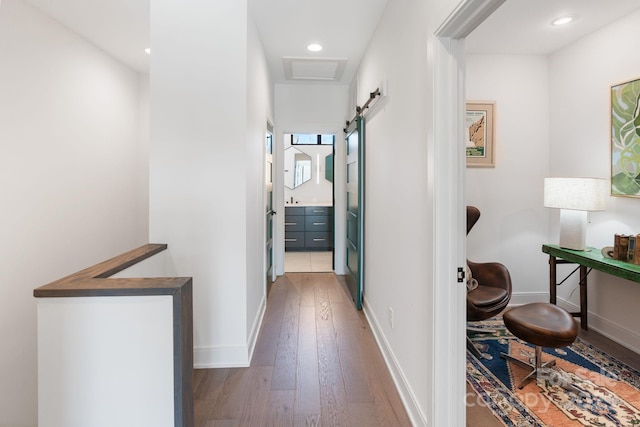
(297, 168)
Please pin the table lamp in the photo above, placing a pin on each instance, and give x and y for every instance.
(574, 197)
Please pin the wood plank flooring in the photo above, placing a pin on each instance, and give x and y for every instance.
(316, 363)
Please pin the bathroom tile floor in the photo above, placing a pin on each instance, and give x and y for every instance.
(307, 262)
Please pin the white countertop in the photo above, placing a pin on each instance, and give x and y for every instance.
(305, 204)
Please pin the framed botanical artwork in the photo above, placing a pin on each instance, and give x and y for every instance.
(480, 133)
(625, 139)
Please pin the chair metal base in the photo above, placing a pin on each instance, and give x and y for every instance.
(473, 347)
(483, 330)
(536, 367)
(541, 370)
(476, 351)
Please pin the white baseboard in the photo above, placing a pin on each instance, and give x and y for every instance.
(416, 415)
(255, 329)
(221, 357)
(615, 332)
(609, 329)
(230, 356)
(522, 298)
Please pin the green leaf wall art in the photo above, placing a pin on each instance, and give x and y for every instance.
(625, 139)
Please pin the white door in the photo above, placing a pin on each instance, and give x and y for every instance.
(449, 304)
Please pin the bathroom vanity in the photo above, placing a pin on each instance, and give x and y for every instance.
(308, 228)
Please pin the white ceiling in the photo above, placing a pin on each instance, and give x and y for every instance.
(120, 27)
(343, 27)
(524, 26)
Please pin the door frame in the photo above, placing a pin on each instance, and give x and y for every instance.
(270, 214)
(338, 196)
(449, 300)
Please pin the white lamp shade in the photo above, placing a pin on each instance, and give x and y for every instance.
(584, 194)
(574, 196)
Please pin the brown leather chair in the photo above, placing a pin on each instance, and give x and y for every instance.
(494, 286)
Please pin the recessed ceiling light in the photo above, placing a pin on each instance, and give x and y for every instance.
(562, 21)
(314, 47)
(148, 50)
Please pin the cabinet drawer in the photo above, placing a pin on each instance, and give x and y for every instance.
(318, 223)
(293, 223)
(294, 210)
(318, 210)
(318, 239)
(294, 239)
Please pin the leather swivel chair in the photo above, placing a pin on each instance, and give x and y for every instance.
(493, 292)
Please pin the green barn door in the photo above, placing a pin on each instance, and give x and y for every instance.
(355, 223)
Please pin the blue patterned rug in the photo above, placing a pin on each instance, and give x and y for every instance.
(606, 392)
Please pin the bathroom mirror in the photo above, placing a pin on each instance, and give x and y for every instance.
(328, 167)
(297, 167)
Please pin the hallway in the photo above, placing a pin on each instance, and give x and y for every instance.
(316, 363)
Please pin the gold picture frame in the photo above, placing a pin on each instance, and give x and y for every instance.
(480, 132)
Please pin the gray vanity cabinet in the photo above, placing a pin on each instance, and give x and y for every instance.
(294, 228)
(308, 228)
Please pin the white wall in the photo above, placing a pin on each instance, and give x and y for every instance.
(143, 155)
(205, 192)
(71, 186)
(399, 210)
(513, 222)
(581, 76)
(397, 215)
(259, 110)
(106, 362)
(308, 108)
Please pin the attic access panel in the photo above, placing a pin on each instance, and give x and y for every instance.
(327, 69)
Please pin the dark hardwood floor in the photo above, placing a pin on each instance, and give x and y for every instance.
(480, 416)
(316, 363)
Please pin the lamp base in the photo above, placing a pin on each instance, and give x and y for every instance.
(573, 229)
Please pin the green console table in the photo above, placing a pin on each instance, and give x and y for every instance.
(587, 260)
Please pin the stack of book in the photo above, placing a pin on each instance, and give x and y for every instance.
(627, 248)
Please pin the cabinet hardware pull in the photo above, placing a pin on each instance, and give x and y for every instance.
(319, 240)
(319, 223)
(290, 240)
(318, 210)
